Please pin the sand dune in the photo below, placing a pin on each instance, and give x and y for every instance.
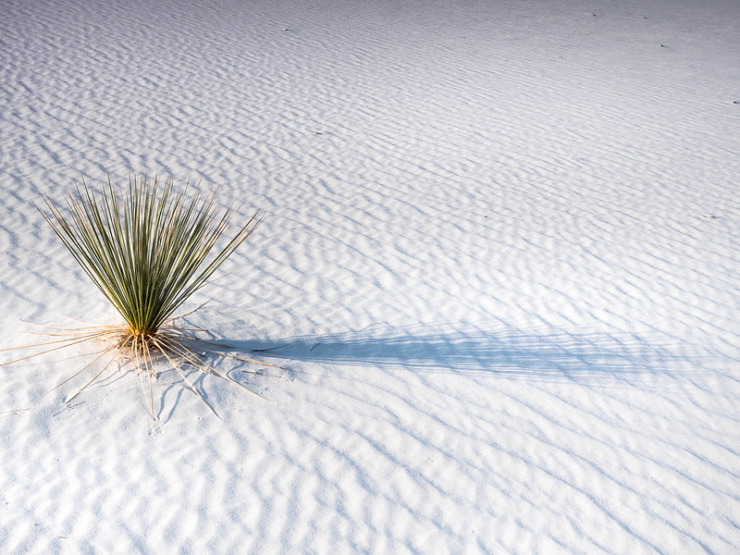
(497, 276)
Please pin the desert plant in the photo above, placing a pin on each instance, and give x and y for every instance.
(147, 252)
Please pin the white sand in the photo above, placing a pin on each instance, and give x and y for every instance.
(499, 264)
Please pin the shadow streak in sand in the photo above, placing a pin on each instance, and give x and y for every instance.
(508, 351)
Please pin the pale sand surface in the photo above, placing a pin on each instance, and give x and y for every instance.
(498, 271)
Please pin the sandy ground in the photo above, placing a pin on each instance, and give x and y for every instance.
(497, 276)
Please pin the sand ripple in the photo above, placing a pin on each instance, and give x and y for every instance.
(498, 268)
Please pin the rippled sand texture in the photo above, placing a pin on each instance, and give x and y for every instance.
(498, 270)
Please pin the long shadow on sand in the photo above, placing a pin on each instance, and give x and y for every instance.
(474, 349)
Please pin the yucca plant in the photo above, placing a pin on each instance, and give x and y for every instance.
(147, 251)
